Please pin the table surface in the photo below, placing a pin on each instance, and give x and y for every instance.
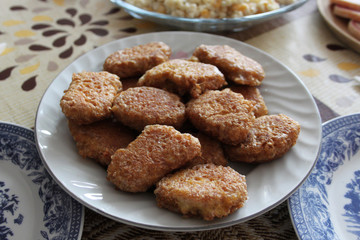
(40, 38)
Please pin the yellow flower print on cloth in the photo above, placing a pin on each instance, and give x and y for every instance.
(54, 27)
(339, 82)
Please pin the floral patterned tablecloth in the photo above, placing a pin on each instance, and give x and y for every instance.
(39, 38)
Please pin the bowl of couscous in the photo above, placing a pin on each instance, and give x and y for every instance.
(208, 15)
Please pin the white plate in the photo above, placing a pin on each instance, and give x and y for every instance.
(268, 184)
(327, 205)
(207, 24)
(32, 205)
(337, 25)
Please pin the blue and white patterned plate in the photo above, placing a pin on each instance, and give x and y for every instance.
(32, 205)
(327, 205)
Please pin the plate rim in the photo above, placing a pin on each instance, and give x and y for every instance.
(333, 23)
(295, 197)
(180, 229)
(31, 134)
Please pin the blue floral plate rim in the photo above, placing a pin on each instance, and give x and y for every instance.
(312, 207)
(63, 217)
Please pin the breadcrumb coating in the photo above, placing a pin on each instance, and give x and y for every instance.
(235, 66)
(270, 138)
(135, 61)
(141, 106)
(224, 114)
(129, 83)
(188, 170)
(206, 190)
(157, 151)
(100, 140)
(211, 151)
(181, 76)
(90, 96)
(252, 94)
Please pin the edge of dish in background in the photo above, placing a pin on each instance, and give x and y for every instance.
(324, 207)
(203, 24)
(32, 204)
(337, 25)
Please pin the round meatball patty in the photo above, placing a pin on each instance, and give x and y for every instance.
(270, 138)
(141, 106)
(206, 190)
(157, 151)
(224, 114)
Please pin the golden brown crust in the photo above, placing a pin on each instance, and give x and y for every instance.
(270, 138)
(253, 94)
(135, 61)
(189, 171)
(181, 76)
(101, 139)
(129, 83)
(211, 151)
(89, 97)
(141, 106)
(235, 66)
(157, 151)
(225, 115)
(206, 190)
